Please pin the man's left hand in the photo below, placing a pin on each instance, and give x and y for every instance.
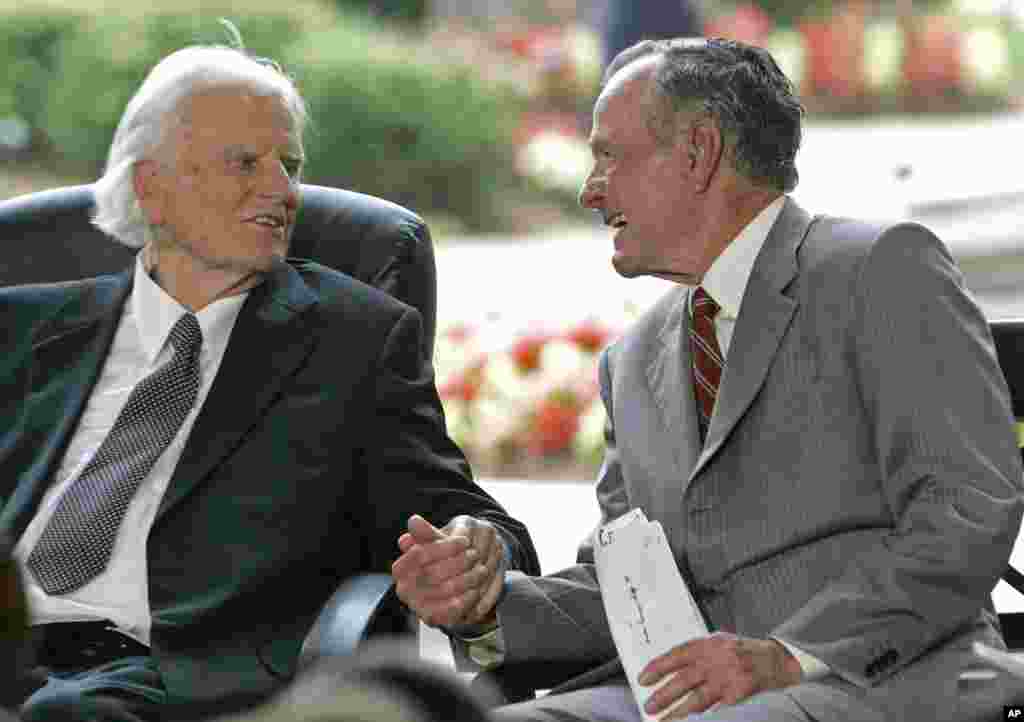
(717, 669)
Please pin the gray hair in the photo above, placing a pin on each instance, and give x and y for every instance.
(741, 87)
(147, 121)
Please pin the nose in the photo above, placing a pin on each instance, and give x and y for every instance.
(592, 194)
(279, 184)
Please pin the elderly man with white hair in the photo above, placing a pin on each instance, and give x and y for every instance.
(194, 452)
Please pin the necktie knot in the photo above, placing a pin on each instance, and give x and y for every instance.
(76, 543)
(703, 305)
(186, 336)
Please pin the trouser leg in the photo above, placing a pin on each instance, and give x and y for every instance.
(125, 690)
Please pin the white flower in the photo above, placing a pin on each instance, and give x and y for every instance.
(589, 441)
(883, 54)
(562, 363)
(555, 160)
(585, 51)
(986, 55)
(495, 421)
(787, 47)
(457, 422)
(503, 379)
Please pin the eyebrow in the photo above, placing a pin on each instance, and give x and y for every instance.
(236, 150)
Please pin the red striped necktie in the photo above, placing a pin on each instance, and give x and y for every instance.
(707, 356)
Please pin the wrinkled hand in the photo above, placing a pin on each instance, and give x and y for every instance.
(718, 669)
(452, 576)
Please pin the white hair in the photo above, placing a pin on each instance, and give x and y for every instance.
(146, 123)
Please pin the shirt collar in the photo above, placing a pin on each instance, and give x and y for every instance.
(726, 280)
(156, 312)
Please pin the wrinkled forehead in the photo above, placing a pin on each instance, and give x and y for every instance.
(234, 104)
(630, 83)
(626, 94)
(237, 114)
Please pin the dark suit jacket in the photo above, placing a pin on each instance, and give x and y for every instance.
(322, 433)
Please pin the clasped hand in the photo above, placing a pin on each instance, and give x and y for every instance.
(452, 576)
(717, 669)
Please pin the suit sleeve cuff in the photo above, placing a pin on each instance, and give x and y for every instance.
(812, 667)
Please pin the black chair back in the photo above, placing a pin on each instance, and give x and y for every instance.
(47, 237)
(1009, 338)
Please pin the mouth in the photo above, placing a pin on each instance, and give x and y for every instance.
(272, 221)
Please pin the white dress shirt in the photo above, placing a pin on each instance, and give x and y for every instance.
(120, 592)
(726, 280)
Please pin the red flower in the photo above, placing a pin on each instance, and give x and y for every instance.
(932, 62)
(555, 423)
(460, 332)
(589, 335)
(465, 385)
(526, 351)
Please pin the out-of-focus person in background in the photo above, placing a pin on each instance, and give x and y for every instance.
(195, 452)
(626, 22)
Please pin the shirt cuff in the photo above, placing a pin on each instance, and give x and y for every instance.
(812, 667)
(487, 650)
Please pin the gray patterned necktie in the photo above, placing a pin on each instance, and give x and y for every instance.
(76, 543)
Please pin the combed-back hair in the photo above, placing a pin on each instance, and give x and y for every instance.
(741, 87)
(155, 109)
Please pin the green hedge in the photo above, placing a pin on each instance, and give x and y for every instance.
(103, 62)
(387, 119)
(29, 47)
(392, 123)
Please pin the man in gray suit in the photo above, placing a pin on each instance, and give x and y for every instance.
(841, 496)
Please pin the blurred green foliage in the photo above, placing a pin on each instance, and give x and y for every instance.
(387, 118)
(29, 52)
(391, 121)
(789, 13)
(102, 63)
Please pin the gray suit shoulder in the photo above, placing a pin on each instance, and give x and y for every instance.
(844, 243)
(651, 325)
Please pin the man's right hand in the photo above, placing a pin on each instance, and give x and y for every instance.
(448, 576)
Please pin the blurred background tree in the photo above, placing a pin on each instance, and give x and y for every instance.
(472, 112)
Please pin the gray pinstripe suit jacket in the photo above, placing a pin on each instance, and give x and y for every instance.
(860, 488)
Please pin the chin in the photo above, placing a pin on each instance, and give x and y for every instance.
(627, 267)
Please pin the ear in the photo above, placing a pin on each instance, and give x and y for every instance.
(146, 180)
(705, 146)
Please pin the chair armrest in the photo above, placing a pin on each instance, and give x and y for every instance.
(364, 606)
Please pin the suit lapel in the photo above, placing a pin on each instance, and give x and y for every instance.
(67, 356)
(764, 316)
(668, 378)
(270, 339)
